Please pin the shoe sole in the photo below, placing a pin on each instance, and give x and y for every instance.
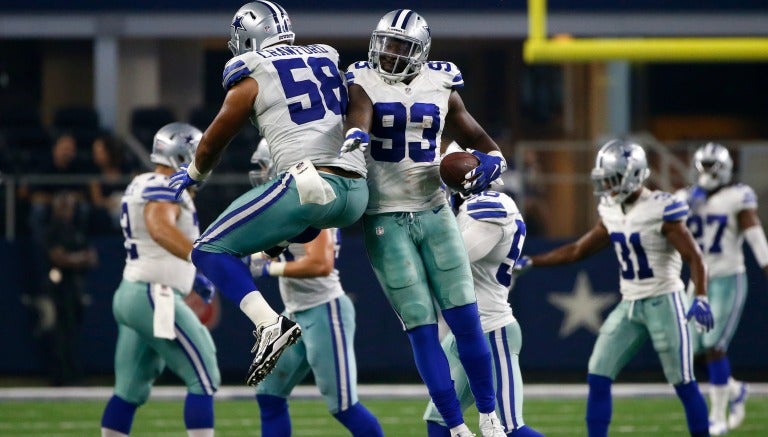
(269, 363)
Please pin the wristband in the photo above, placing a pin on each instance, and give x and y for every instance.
(276, 268)
(195, 174)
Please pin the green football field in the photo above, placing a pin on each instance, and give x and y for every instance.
(640, 416)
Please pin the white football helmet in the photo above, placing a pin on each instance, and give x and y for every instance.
(620, 169)
(714, 166)
(257, 25)
(175, 144)
(399, 45)
(262, 161)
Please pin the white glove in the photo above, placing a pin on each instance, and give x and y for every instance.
(355, 139)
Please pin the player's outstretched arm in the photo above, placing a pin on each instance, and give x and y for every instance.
(590, 243)
(749, 223)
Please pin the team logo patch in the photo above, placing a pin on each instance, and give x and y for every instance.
(379, 231)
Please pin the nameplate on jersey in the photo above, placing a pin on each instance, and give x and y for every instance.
(163, 317)
(311, 186)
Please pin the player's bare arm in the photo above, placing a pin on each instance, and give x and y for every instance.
(749, 223)
(161, 224)
(590, 243)
(234, 113)
(318, 260)
(359, 109)
(464, 129)
(681, 239)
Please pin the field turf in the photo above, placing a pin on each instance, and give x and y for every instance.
(640, 416)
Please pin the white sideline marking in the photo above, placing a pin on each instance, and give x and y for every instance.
(380, 391)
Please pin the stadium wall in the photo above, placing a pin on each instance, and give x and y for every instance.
(552, 347)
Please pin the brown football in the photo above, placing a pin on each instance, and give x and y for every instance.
(454, 166)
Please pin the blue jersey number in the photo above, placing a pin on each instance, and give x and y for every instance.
(696, 225)
(625, 251)
(503, 274)
(390, 121)
(322, 97)
(125, 223)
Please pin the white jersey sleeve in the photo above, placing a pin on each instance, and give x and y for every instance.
(301, 294)
(147, 261)
(714, 224)
(494, 232)
(408, 119)
(301, 101)
(648, 264)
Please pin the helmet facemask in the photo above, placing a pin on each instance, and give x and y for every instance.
(396, 57)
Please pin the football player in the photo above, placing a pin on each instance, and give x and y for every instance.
(647, 230)
(296, 96)
(313, 298)
(723, 215)
(493, 231)
(155, 327)
(398, 106)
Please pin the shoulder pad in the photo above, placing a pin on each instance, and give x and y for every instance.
(236, 69)
(355, 70)
(674, 208)
(490, 206)
(448, 74)
(747, 197)
(156, 188)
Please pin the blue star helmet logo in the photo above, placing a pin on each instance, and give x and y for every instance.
(188, 138)
(237, 23)
(627, 153)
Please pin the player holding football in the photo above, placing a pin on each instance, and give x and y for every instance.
(155, 327)
(313, 297)
(296, 96)
(493, 231)
(723, 215)
(398, 106)
(646, 229)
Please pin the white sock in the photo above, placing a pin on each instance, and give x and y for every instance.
(734, 387)
(257, 309)
(718, 398)
(201, 432)
(106, 432)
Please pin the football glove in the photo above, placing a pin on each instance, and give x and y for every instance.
(355, 139)
(491, 167)
(701, 314)
(522, 265)
(181, 180)
(204, 287)
(259, 265)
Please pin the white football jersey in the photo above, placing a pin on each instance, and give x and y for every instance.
(714, 224)
(302, 98)
(649, 265)
(494, 232)
(146, 260)
(300, 294)
(403, 156)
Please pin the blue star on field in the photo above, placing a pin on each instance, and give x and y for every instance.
(237, 23)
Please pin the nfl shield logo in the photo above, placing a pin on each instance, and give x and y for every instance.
(379, 231)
